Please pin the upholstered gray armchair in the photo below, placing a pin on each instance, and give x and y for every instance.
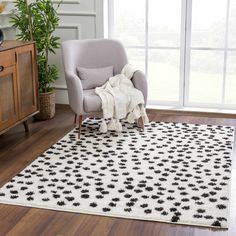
(96, 53)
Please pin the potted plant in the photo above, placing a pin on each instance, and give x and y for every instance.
(37, 21)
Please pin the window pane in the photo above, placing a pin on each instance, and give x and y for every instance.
(164, 22)
(232, 24)
(206, 77)
(136, 57)
(129, 21)
(230, 86)
(163, 75)
(208, 23)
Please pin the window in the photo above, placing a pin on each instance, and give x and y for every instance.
(187, 48)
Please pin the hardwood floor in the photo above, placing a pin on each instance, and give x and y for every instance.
(18, 149)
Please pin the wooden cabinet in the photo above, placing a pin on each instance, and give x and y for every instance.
(18, 84)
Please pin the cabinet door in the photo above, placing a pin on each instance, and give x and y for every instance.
(8, 98)
(26, 79)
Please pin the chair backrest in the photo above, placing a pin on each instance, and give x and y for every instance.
(94, 53)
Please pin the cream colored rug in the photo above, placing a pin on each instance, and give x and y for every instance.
(177, 173)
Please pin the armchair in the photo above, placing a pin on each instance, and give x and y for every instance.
(96, 53)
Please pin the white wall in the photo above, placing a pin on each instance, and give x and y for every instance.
(79, 19)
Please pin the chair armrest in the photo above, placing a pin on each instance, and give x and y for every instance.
(75, 92)
(140, 82)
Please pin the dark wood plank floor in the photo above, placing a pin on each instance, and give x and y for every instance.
(18, 149)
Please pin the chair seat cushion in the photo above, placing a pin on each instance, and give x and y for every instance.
(94, 77)
(92, 102)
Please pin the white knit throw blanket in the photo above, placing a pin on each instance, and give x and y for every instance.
(120, 99)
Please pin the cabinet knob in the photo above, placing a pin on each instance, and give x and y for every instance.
(1, 68)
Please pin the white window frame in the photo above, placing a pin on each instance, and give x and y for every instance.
(185, 55)
(225, 49)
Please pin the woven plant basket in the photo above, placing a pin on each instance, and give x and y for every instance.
(46, 106)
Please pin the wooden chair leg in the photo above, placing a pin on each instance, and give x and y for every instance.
(80, 124)
(26, 126)
(140, 123)
(75, 119)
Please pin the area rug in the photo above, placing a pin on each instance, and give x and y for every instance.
(171, 172)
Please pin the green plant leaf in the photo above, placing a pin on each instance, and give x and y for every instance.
(38, 21)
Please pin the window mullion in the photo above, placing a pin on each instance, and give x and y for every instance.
(146, 37)
(187, 51)
(225, 51)
(182, 52)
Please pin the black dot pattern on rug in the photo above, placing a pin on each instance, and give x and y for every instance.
(170, 172)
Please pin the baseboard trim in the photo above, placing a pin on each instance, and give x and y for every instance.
(200, 112)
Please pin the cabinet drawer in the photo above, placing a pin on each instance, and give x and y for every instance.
(7, 58)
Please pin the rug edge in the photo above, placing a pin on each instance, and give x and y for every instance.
(109, 215)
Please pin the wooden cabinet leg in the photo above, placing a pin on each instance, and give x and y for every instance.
(25, 123)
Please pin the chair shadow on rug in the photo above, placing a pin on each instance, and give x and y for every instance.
(98, 59)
